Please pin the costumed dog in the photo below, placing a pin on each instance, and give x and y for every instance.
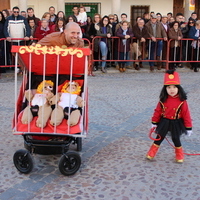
(68, 104)
(39, 104)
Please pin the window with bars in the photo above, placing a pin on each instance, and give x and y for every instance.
(91, 8)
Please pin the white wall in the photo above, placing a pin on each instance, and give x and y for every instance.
(40, 7)
(161, 6)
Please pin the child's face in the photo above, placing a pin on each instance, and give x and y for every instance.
(172, 90)
(31, 23)
(60, 23)
(81, 10)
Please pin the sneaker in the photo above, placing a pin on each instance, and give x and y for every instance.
(158, 67)
(151, 68)
(129, 67)
(103, 70)
(18, 70)
(136, 66)
(121, 69)
(180, 66)
(95, 68)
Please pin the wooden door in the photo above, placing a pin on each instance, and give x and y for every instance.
(178, 7)
(137, 11)
(197, 8)
(4, 4)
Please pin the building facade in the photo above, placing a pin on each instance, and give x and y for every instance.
(132, 8)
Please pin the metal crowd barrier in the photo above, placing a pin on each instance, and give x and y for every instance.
(142, 52)
(186, 51)
(7, 59)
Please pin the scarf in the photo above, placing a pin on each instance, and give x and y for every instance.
(124, 33)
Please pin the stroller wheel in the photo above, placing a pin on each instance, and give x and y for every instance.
(79, 144)
(69, 163)
(23, 161)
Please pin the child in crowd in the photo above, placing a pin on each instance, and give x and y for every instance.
(82, 16)
(171, 114)
(82, 19)
(59, 26)
(43, 30)
(33, 28)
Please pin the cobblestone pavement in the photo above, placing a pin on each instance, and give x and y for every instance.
(113, 156)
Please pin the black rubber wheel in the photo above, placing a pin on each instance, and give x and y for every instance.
(79, 143)
(69, 163)
(23, 161)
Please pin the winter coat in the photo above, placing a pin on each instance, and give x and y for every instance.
(27, 32)
(172, 34)
(121, 46)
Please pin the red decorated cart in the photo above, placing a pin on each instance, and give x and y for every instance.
(57, 66)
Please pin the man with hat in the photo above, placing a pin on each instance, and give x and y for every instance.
(164, 22)
(156, 31)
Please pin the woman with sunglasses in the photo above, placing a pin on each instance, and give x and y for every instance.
(194, 34)
(2, 54)
(105, 31)
(191, 23)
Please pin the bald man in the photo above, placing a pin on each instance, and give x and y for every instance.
(71, 37)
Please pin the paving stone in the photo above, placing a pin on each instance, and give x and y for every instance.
(9, 193)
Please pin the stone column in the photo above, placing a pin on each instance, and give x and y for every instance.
(22, 4)
(189, 9)
(60, 5)
(116, 7)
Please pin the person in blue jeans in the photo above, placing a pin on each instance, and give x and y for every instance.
(157, 34)
(156, 46)
(105, 31)
(125, 34)
(194, 33)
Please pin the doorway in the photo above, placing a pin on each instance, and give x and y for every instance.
(138, 11)
(197, 8)
(4, 4)
(178, 7)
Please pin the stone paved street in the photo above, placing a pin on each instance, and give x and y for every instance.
(113, 156)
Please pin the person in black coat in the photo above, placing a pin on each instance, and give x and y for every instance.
(194, 33)
(2, 54)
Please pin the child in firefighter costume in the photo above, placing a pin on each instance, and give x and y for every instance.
(171, 114)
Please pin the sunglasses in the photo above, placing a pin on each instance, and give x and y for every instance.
(111, 18)
(191, 22)
(16, 11)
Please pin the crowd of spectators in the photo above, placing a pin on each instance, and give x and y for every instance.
(116, 39)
